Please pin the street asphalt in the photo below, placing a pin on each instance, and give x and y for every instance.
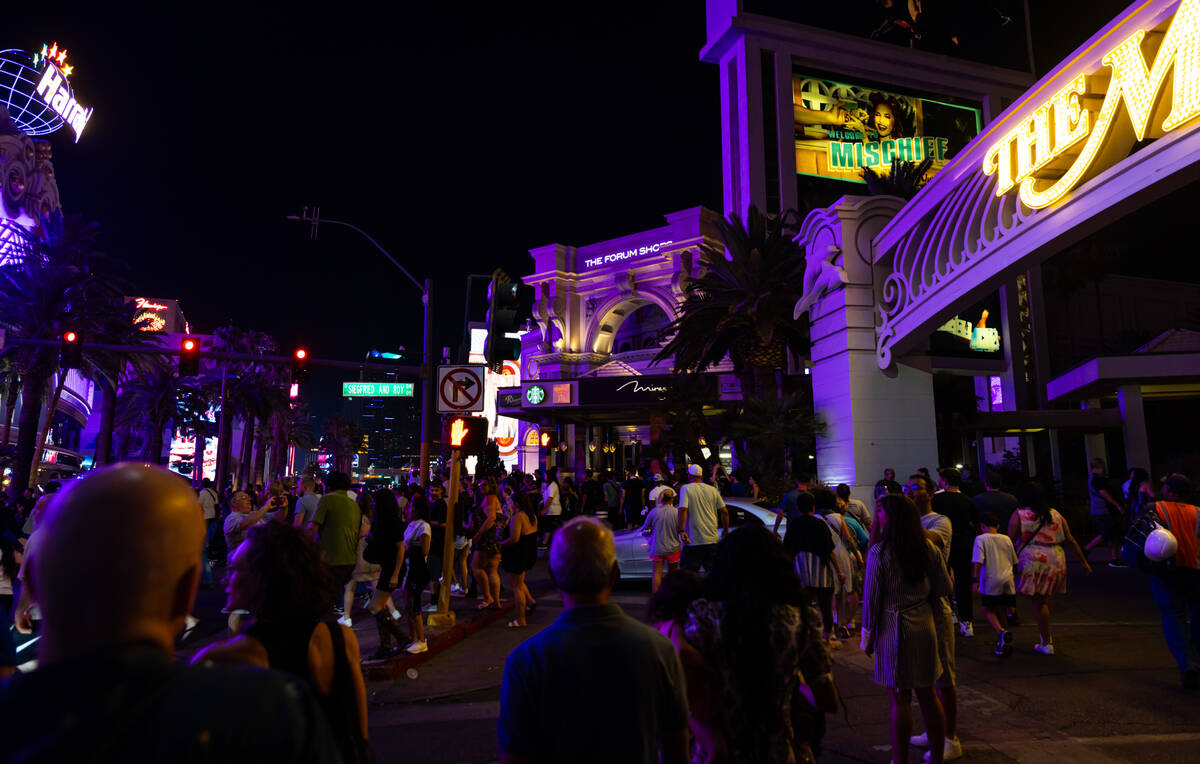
(1110, 694)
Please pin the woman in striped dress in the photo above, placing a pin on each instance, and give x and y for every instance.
(810, 541)
(905, 576)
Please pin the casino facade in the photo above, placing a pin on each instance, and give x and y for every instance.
(964, 292)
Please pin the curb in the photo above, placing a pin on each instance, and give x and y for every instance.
(393, 667)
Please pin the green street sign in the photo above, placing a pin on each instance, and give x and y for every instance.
(377, 389)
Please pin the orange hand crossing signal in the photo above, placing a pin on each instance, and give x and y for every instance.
(467, 434)
(458, 429)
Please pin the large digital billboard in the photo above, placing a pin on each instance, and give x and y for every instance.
(840, 129)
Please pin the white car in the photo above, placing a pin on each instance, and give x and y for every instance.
(633, 549)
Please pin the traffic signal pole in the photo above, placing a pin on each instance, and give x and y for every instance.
(444, 617)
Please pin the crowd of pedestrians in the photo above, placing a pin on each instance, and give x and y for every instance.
(734, 666)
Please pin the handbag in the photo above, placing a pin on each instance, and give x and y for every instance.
(1017, 564)
(373, 551)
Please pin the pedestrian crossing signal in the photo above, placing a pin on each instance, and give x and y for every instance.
(549, 439)
(467, 434)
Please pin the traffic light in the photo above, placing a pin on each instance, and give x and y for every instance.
(189, 357)
(510, 305)
(549, 439)
(70, 355)
(300, 366)
(466, 433)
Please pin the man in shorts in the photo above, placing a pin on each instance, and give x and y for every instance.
(1107, 515)
(700, 508)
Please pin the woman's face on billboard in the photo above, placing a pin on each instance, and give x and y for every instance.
(884, 120)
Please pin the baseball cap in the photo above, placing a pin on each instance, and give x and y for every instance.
(695, 470)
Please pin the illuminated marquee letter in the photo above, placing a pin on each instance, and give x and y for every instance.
(1063, 121)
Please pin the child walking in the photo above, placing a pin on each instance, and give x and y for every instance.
(662, 525)
(994, 558)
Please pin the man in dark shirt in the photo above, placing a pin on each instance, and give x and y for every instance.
(633, 500)
(1107, 514)
(437, 540)
(1000, 503)
(105, 689)
(964, 525)
(596, 685)
(888, 484)
(591, 494)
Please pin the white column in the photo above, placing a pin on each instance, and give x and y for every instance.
(1133, 423)
(873, 419)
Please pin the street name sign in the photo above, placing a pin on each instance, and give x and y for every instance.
(377, 389)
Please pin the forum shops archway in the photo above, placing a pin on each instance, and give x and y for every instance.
(1109, 130)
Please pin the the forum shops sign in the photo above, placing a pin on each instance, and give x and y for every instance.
(1077, 131)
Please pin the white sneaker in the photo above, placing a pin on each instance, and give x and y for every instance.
(921, 741)
(950, 751)
(396, 615)
(189, 623)
(455, 589)
(430, 608)
(417, 647)
(1044, 649)
(966, 629)
(346, 622)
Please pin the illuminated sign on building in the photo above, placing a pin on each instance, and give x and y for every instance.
(535, 394)
(55, 91)
(841, 129)
(1047, 155)
(158, 315)
(561, 393)
(626, 254)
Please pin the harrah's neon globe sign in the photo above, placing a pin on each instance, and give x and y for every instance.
(54, 89)
(1051, 151)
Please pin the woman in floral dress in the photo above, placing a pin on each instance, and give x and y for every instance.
(1040, 534)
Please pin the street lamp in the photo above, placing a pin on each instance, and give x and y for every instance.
(313, 217)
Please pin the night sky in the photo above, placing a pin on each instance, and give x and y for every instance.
(459, 135)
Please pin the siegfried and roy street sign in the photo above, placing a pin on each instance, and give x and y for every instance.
(1076, 132)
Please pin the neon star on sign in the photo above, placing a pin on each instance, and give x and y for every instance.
(1053, 150)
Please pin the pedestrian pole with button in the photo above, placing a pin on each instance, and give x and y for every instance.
(444, 617)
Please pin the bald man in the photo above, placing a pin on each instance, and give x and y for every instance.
(596, 685)
(106, 689)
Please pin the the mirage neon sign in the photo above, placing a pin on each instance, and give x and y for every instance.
(1057, 147)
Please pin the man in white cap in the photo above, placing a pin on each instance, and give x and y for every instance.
(700, 505)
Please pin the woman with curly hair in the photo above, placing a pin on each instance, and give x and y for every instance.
(279, 577)
(760, 636)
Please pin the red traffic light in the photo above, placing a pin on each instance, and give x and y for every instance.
(70, 337)
(301, 354)
(189, 344)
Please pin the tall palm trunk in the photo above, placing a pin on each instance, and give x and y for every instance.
(279, 444)
(33, 394)
(247, 442)
(198, 460)
(154, 442)
(10, 408)
(260, 454)
(108, 415)
(45, 430)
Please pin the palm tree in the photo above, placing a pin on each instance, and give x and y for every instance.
(150, 398)
(741, 305)
(765, 429)
(903, 179)
(342, 438)
(193, 402)
(247, 393)
(58, 287)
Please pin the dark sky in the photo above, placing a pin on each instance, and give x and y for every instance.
(460, 135)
